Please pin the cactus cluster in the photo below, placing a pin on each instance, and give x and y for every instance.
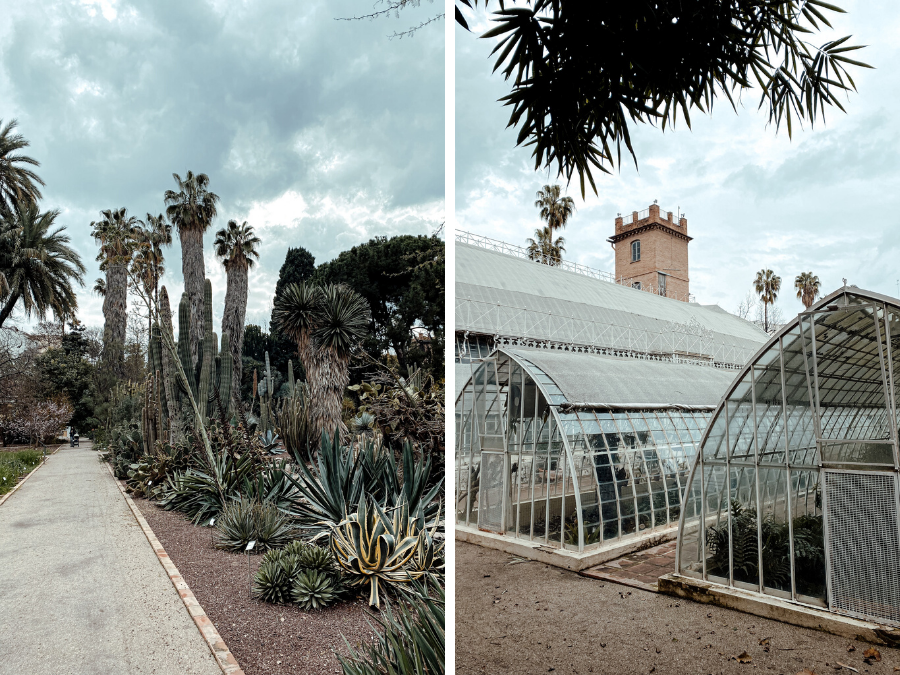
(213, 370)
(266, 391)
(164, 395)
(153, 415)
(292, 415)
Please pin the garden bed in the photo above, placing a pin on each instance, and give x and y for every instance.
(264, 638)
(15, 466)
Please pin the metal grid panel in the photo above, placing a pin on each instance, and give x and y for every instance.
(863, 545)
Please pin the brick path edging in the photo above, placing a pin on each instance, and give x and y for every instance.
(27, 476)
(214, 641)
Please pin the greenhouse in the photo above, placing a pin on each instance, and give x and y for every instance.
(572, 450)
(794, 493)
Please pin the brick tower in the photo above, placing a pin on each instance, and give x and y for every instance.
(652, 253)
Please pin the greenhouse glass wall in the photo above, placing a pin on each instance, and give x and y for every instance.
(540, 458)
(795, 493)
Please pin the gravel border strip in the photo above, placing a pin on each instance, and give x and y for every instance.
(214, 641)
(27, 476)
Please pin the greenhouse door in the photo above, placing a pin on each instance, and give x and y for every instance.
(863, 544)
(491, 506)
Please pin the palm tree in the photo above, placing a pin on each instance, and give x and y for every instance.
(37, 264)
(544, 249)
(236, 246)
(807, 285)
(115, 234)
(328, 323)
(149, 263)
(554, 210)
(18, 184)
(767, 285)
(192, 209)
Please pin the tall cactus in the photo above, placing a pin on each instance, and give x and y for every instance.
(291, 377)
(223, 375)
(170, 387)
(184, 342)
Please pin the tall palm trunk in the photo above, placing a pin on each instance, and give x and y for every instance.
(8, 307)
(327, 383)
(115, 304)
(233, 321)
(194, 271)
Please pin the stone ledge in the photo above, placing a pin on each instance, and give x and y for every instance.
(570, 560)
(777, 609)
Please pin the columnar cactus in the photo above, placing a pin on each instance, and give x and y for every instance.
(184, 342)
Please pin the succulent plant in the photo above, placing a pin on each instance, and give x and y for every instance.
(313, 589)
(317, 558)
(243, 521)
(273, 582)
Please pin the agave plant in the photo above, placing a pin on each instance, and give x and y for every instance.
(273, 581)
(316, 558)
(202, 494)
(269, 442)
(375, 549)
(314, 589)
(244, 521)
(410, 640)
(342, 475)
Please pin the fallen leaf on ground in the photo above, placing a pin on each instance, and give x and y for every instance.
(871, 655)
(851, 648)
(844, 665)
(743, 657)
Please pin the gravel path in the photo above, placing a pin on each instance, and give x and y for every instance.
(265, 639)
(531, 618)
(81, 591)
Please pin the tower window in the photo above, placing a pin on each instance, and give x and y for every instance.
(635, 250)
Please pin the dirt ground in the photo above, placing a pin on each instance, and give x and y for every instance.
(526, 618)
(265, 639)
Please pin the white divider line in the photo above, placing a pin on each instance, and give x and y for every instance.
(214, 641)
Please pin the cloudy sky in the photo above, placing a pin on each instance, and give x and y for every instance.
(320, 133)
(826, 201)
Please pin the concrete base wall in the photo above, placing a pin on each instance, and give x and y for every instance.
(777, 609)
(570, 560)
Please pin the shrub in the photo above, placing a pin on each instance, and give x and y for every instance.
(314, 589)
(409, 642)
(14, 465)
(243, 521)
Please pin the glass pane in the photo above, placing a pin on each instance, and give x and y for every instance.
(809, 538)
(745, 539)
(716, 489)
(776, 552)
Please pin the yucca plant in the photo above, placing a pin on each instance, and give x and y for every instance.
(244, 521)
(375, 549)
(314, 589)
(342, 475)
(409, 641)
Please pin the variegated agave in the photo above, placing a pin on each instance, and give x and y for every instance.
(375, 549)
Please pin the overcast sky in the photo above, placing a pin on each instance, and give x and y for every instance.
(826, 201)
(320, 133)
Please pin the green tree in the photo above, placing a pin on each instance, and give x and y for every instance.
(402, 278)
(192, 209)
(767, 285)
(115, 234)
(544, 249)
(37, 263)
(581, 71)
(67, 371)
(807, 287)
(555, 209)
(299, 266)
(18, 183)
(236, 246)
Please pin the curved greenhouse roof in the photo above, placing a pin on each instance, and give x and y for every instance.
(794, 493)
(505, 296)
